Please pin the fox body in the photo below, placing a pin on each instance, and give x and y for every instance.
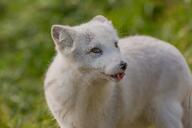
(99, 81)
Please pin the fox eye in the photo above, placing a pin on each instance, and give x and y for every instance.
(116, 44)
(96, 50)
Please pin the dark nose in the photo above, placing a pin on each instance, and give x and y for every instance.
(123, 65)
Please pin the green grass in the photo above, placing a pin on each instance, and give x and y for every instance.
(26, 48)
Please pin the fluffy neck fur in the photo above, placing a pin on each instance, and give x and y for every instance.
(87, 99)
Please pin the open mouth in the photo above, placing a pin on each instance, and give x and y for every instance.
(118, 76)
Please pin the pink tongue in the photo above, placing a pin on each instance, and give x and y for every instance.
(119, 76)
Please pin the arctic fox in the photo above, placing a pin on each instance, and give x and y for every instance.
(99, 81)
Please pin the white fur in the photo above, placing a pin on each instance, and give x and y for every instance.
(80, 93)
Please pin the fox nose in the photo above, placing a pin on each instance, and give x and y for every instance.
(123, 65)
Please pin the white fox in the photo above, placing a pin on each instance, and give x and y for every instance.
(99, 81)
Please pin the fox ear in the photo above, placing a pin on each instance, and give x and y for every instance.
(63, 36)
(100, 18)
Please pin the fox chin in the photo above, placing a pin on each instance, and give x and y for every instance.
(97, 80)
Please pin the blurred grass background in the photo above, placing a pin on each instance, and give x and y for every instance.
(26, 47)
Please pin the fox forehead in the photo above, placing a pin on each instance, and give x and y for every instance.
(102, 33)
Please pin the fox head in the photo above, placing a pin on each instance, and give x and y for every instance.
(92, 46)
